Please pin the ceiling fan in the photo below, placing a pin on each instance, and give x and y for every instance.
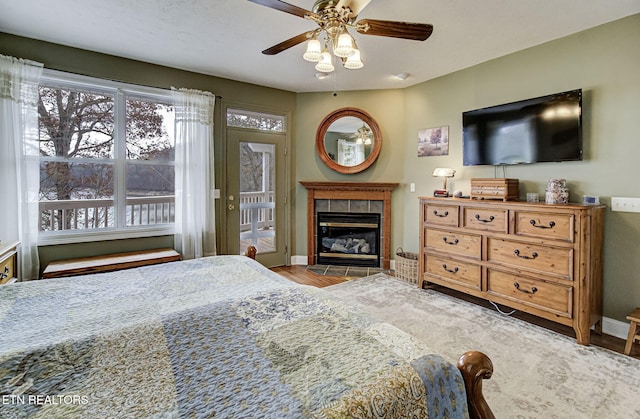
(335, 18)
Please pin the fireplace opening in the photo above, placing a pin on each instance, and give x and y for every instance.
(348, 238)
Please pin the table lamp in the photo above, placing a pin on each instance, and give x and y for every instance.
(443, 172)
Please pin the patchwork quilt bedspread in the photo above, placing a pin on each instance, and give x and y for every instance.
(213, 337)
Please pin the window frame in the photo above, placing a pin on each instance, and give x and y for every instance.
(120, 92)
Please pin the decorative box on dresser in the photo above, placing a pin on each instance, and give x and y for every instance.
(8, 262)
(538, 258)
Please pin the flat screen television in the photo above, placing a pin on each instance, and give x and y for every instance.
(542, 129)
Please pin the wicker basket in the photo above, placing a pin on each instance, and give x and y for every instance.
(407, 266)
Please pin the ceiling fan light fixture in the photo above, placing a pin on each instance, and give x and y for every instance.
(326, 62)
(334, 19)
(344, 46)
(354, 62)
(364, 135)
(314, 51)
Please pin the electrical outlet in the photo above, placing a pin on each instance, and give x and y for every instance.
(412, 187)
(625, 204)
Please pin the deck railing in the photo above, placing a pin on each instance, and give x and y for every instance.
(82, 214)
(256, 216)
(256, 213)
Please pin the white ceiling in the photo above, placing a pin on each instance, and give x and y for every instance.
(224, 37)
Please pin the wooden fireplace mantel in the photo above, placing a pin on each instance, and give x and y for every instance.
(372, 191)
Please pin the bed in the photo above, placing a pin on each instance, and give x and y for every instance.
(221, 337)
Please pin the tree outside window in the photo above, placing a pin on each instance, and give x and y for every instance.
(96, 163)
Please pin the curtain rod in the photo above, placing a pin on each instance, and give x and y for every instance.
(118, 81)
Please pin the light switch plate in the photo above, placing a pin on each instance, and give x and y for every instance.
(625, 204)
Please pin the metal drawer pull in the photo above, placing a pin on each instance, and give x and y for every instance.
(4, 274)
(491, 218)
(454, 270)
(454, 242)
(435, 212)
(517, 253)
(551, 224)
(533, 289)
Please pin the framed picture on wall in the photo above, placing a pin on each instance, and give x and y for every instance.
(433, 141)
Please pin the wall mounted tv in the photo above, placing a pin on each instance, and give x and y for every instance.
(542, 129)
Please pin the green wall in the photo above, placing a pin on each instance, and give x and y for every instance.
(387, 108)
(603, 61)
(233, 93)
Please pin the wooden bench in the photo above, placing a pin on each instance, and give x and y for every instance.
(108, 263)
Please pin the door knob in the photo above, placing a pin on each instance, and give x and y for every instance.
(231, 207)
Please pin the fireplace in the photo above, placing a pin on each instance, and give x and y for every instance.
(349, 197)
(348, 238)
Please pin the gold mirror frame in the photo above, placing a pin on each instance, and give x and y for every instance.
(322, 131)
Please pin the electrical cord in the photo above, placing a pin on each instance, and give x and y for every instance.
(504, 313)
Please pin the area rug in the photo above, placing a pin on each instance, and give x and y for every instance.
(537, 373)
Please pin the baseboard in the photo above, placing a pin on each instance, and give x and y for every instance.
(615, 328)
(611, 327)
(299, 260)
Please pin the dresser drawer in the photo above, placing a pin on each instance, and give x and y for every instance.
(445, 215)
(555, 261)
(544, 225)
(486, 219)
(7, 269)
(548, 296)
(467, 274)
(456, 243)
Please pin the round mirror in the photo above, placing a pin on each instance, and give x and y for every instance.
(348, 140)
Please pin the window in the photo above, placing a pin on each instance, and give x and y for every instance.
(256, 120)
(107, 159)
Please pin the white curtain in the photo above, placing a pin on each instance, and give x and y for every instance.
(19, 164)
(195, 217)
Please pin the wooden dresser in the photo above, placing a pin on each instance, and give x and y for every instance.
(8, 262)
(541, 259)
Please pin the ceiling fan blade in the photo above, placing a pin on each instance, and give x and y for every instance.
(404, 30)
(291, 42)
(284, 7)
(356, 6)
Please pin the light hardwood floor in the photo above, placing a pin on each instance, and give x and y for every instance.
(301, 275)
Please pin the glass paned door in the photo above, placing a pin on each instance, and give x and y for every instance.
(256, 194)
